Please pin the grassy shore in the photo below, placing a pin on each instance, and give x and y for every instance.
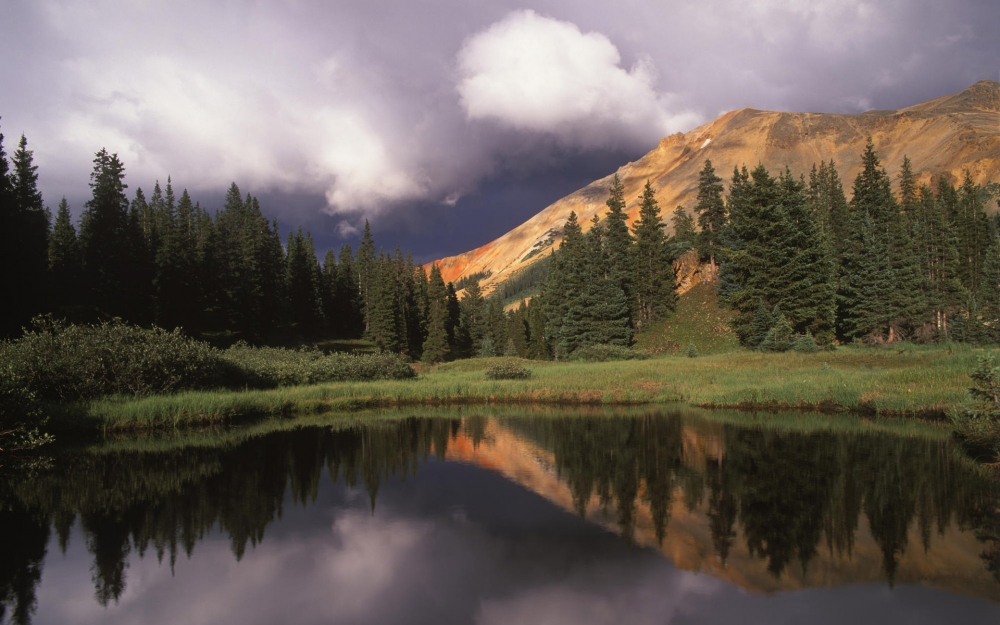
(897, 381)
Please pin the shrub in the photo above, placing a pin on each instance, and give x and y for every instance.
(692, 351)
(486, 350)
(507, 370)
(20, 413)
(605, 353)
(59, 362)
(806, 344)
(779, 337)
(977, 422)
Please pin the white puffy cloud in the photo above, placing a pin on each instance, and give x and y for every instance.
(540, 74)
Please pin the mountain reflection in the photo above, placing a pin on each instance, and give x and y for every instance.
(780, 500)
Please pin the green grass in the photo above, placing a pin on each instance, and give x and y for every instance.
(912, 381)
(698, 319)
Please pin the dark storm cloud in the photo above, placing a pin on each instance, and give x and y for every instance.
(400, 111)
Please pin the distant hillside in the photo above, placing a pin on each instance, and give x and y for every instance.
(943, 136)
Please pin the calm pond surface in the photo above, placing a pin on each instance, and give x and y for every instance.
(493, 516)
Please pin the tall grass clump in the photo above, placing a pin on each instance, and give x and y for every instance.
(268, 367)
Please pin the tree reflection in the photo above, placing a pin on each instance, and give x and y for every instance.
(787, 493)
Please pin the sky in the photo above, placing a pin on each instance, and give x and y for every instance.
(444, 123)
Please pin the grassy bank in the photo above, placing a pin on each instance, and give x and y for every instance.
(910, 381)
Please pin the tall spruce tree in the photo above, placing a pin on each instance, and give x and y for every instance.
(685, 236)
(64, 265)
(826, 194)
(28, 261)
(868, 277)
(473, 315)
(436, 347)
(9, 315)
(350, 322)
(303, 285)
(385, 327)
(563, 284)
(618, 242)
(652, 272)
(777, 258)
(365, 266)
(711, 211)
(104, 240)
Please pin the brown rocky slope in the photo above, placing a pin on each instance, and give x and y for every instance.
(944, 136)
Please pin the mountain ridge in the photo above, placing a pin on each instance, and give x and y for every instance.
(942, 136)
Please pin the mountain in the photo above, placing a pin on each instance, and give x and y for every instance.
(944, 136)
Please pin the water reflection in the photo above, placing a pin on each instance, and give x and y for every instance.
(764, 509)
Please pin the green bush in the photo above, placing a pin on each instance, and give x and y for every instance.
(507, 370)
(20, 413)
(605, 353)
(59, 362)
(692, 351)
(805, 344)
(977, 422)
(779, 338)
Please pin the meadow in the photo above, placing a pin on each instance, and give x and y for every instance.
(898, 381)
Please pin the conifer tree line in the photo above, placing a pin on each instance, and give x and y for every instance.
(797, 258)
(613, 281)
(163, 260)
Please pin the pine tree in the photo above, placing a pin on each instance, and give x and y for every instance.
(9, 316)
(563, 282)
(104, 238)
(937, 253)
(328, 284)
(436, 348)
(776, 256)
(869, 298)
(364, 265)
(539, 347)
(28, 264)
(826, 195)
(139, 272)
(685, 236)
(413, 287)
(384, 325)
(350, 318)
(711, 211)
(472, 320)
(618, 242)
(908, 302)
(303, 285)
(759, 326)
(64, 264)
(456, 340)
(652, 272)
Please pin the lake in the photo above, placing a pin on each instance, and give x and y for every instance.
(496, 515)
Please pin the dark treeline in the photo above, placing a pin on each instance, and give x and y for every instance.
(164, 260)
(790, 495)
(796, 257)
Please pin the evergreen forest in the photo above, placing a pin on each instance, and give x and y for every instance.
(797, 262)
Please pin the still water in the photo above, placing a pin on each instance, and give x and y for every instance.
(479, 516)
